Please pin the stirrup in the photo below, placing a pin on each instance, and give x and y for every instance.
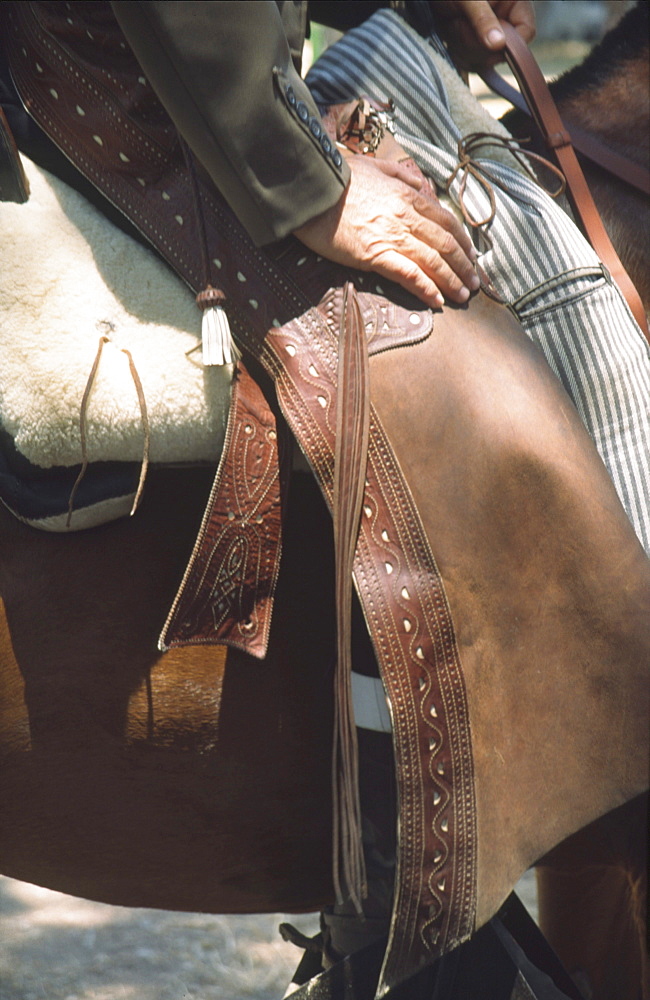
(508, 959)
(311, 963)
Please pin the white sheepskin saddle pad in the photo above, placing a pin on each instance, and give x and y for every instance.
(68, 277)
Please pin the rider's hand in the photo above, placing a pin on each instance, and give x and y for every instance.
(472, 31)
(387, 223)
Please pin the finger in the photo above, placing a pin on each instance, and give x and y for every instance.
(450, 272)
(429, 260)
(442, 259)
(403, 271)
(394, 168)
(430, 210)
(447, 240)
(522, 18)
(484, 22)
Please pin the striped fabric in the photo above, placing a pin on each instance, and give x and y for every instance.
(532, 253)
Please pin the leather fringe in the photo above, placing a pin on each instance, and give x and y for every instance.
(350, 461)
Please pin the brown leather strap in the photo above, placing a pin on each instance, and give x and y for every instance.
(13, 182)
(634, 174)
(350, 462)
(543, 108)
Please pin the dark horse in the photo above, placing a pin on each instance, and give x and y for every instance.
(200, 781)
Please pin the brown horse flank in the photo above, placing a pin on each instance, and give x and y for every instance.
(200, 780)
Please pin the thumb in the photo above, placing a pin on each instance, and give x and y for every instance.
(484, 22)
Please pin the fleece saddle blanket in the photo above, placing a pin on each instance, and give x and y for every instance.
(70, 279)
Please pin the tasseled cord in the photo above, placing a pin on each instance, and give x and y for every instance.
(217, 342)
(218, 346)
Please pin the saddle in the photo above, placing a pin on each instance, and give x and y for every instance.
(504, 590)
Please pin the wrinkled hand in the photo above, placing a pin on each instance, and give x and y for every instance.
(387, 223)
(472, 31)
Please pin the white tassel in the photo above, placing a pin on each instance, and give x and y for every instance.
(218, 345)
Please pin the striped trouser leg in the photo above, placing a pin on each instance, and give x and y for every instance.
(532, 252)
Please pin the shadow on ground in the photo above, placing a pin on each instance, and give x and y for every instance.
(58, 947)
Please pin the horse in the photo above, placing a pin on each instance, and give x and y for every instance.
(585, 96)
(591, 864)
(139, 778)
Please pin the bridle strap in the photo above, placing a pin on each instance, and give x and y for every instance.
(634, 174)
(544, 111)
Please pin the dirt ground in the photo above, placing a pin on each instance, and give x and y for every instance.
(58, 947)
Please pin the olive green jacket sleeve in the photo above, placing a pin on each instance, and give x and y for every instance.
(224, 72)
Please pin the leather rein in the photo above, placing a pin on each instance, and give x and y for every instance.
(634, 174)
(541, 106)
